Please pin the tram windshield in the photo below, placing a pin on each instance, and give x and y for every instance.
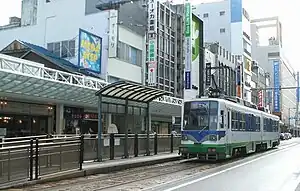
(200, 115)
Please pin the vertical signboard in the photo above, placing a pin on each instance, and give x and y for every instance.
(188, 48)
(276, 70)
(236, 11)
(298, 88)
(90, 51)
(113, 33)
(208, 74)
(260, 98)
(152, 42)
(195, 36)
(238, 80)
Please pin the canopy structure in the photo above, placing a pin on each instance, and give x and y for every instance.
(127, 91)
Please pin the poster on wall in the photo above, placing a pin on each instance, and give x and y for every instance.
(188, 48)
(113, 33)
(90, 51)
(152, 46)
(276, 68)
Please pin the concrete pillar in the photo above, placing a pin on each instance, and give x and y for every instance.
(59, 118)
(108, 119)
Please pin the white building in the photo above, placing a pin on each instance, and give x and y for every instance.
(228, 22)
(49, 24)
(268, 55)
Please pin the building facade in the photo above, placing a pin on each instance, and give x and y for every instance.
(270, 57)
(44, 33)
(228, 22)
(225, 74)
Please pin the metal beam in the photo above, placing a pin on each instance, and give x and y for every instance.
(280, 88)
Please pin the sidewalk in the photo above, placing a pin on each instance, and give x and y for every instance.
(92, 168)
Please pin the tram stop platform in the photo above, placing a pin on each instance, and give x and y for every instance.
(104, 167)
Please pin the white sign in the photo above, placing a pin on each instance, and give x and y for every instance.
(152, 47)
(152, 16)
(113, 33)
(188, 54)
(152, 67)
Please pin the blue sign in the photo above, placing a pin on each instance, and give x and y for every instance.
(276, 70)
(187, 80)
(298, 88)
(89, 51)
(236, 11)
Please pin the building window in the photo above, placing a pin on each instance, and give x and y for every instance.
(129, 54)
(222, 13)
(64, 49)
(222, 30)
(205, 15)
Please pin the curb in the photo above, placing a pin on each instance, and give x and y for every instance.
(86, 172)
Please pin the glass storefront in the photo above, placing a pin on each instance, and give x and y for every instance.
(20, 125)
(18, 119)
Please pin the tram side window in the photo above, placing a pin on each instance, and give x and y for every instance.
(248, 121)
(265, 124)
(253, 123)
(242, 122)
(275, 126)
(269, 125)
(257, 124)
(234, 121)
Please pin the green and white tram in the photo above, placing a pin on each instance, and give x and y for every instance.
(214, 129)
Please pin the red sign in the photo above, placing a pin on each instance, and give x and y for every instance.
(260, 99)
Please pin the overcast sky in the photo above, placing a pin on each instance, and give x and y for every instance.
(286, 9)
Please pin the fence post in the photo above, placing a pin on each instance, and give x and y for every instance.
(172, 142)
(136, 145)
(112, 146)
(155, 144)
(36, 158)
(31, 160)
(81, 151)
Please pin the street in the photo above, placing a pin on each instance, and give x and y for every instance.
(275, 170)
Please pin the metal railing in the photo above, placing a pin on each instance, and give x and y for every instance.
(31, 158)
(38, 157)
(113, 145)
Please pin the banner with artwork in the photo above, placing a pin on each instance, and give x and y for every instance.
(90, 51)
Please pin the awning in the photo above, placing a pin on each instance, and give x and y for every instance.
(131, 91)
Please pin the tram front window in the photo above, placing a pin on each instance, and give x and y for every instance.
(201, 115)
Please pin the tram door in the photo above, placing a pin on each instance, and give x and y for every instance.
(228, 129)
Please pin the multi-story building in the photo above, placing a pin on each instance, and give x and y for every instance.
(165, 68)
(225, 74)
(260, 81)
(270, 57)
(228, 22)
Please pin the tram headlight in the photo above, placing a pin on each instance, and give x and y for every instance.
(211, 149)
(184, 137)
(213, 137)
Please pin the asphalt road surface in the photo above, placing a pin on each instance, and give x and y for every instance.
(276, 170)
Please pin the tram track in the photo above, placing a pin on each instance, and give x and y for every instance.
(112, 180)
